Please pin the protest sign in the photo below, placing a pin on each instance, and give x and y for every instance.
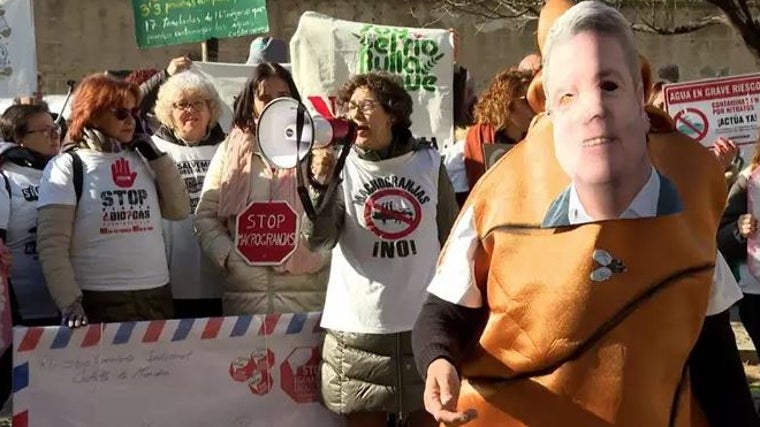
(168, 22)
(722, 107)
(221, 372)
(18, 49)
(266, 232)
(326, 52)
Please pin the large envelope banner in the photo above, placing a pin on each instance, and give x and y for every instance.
(326, 52)
(234, 371)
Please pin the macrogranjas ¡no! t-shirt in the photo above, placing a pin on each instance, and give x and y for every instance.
(388, 246)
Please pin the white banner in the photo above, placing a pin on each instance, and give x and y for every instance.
(721, 107)
(229, 80)
(18, 49)
(222, 372)
(326, 52)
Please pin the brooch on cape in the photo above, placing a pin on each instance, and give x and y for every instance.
(608, 266)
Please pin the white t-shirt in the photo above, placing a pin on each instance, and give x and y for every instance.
(18, 216)
(388, 246)
(192, 274)
(117, 242)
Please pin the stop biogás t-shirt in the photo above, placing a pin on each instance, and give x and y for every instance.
(117, 242)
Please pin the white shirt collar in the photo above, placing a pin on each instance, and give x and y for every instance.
(644, 205)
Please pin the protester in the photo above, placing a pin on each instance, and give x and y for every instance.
(237, 176)
(386, 224)
(31, 140)
(616, 294)
(99, 230)
(188, 108)
(736, 226)
(502, 116)
(150, 80)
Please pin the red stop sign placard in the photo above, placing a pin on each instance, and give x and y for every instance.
(267, 233)
(299, 374)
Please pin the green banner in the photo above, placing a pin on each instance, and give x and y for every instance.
(168, 22)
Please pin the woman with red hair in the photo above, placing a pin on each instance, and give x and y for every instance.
(99, 233)
(502, 116)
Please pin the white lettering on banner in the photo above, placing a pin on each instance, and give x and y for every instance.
(723, 107)
(261, 368)
(267, 233)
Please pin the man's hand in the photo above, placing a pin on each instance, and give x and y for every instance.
(178, 65)
(74, 316)
(725, 150)
(442, 393)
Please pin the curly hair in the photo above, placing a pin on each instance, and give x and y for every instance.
(184, 84)
(15, 119)
(493, 104)
(97, 93)
(389, 91)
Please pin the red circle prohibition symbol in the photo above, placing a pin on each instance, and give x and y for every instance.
(372, 209)
(700, 133)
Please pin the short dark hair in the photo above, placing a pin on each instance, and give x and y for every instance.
(243, 106)
(390, 93)
(15, 119)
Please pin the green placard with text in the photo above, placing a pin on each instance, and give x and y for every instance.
(168, 22)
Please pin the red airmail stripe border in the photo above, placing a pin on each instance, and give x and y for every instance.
(167, 330)
(26, 340)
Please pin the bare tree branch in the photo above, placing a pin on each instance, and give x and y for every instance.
(647, 26)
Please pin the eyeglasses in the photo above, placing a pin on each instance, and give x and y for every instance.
(124, 113)
(54, 130)
(366, 106)
(186, 105)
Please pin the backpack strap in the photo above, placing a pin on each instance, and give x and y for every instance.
(7, 184)
(78, 173)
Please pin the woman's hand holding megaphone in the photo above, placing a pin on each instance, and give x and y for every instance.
(322, 164)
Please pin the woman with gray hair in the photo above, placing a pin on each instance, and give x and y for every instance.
(188, 108)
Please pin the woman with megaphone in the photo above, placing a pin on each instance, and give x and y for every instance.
(248, 216)
(387, 221)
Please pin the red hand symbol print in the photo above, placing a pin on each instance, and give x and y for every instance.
(123, 177)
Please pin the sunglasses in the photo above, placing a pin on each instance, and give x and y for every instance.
(124, 113)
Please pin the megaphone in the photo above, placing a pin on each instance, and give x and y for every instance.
(277, 132)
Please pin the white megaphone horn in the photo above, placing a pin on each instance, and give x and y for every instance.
(277, 130)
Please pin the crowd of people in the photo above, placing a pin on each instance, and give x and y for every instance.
(127, 212)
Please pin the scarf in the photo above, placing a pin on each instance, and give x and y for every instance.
(235, 189)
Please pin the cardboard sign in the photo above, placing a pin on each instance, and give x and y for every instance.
(267, 233)
(722, 107)
(326, 52)
(167, 22)
(18, 49)
(493, 152)
(222, 372)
